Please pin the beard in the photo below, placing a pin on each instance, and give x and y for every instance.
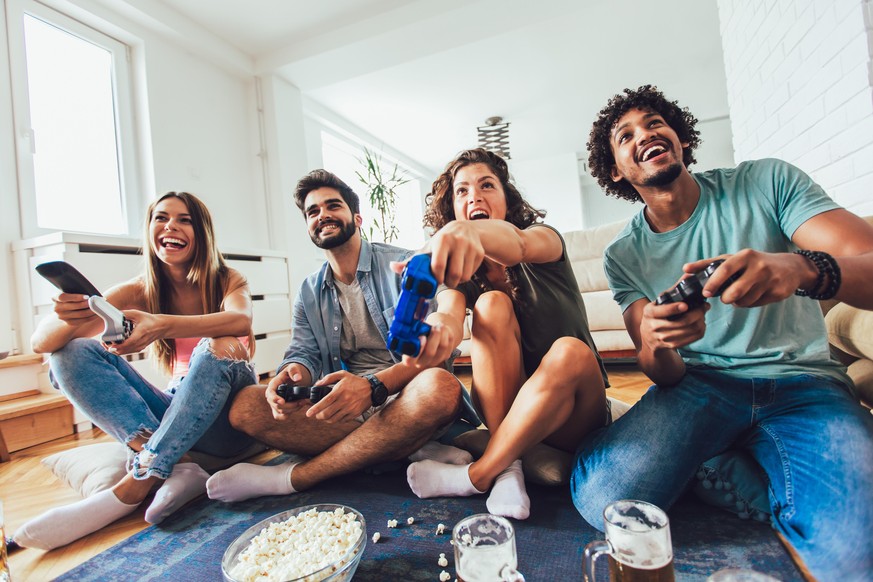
(346, 231)
(664, 177)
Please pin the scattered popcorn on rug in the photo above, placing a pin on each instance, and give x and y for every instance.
(284, 550)
(392, 523)
(445, 576)
(441, 529)
(376, 537)
(410, 520)
(442, 562)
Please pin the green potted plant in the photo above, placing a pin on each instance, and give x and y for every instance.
(381, 190)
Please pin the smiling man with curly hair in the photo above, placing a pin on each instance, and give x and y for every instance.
(749, 371)
(647, 98)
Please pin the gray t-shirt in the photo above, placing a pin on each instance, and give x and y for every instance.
(361, 346)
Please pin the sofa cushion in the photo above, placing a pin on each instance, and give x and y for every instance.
(602, 310)
(89, 469)
(585, 251)
(861, 373)
(851, 330)
(93, 468)
(542, 464)
(733, 481)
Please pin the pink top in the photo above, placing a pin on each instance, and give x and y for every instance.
(184, 347)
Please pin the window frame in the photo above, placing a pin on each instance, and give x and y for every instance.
(124, 103)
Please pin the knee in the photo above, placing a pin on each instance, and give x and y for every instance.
(64, 362)
(228, 348)
(75, 350)
(248, 409)
(570, 356)
(587, 496)
(493, 311)
(437, 392)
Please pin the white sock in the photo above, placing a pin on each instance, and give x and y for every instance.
(62, 525)
(441, 453)
(245, 481)
(186, 482)
(508, 495)
(431, 479)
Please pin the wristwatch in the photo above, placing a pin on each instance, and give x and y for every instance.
(378, 391)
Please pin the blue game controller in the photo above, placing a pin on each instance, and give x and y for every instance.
(417, 287)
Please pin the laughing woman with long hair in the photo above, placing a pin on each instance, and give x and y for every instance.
(195, 312)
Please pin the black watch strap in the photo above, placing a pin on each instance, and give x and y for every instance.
(378, 390)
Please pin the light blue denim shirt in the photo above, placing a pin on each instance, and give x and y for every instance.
(317, 319)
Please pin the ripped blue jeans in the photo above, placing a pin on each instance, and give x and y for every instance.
(190, 416)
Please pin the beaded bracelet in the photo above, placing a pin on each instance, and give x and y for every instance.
(828, 269)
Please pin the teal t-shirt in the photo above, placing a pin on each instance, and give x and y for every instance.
(758, 205)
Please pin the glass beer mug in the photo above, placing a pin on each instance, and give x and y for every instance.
(485, 549)
(637, 543)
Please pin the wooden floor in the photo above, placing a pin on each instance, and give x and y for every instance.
(27, 489)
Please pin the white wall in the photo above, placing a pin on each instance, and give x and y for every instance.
(799, 87)
(9, 226)
(715, 151)
(199, 134)
(203, 137)
(552, 184)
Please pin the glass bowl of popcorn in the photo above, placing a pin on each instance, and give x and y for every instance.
(312, 543)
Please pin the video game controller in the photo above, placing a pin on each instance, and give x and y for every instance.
(117, 328)
(417, 287)
(290, 393)
(65, 277)
(690, 290)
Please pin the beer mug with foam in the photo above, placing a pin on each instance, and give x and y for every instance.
(485, 549)
(637, 543)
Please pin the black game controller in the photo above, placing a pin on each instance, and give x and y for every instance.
(65, 277)
(290, 393)
(690, 290)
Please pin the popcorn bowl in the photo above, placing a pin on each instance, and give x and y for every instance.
(341, 569)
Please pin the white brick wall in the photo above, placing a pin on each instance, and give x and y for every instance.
(800, 88)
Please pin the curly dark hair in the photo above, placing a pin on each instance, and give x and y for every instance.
(646, 98)
(439, 201)
(441, 211)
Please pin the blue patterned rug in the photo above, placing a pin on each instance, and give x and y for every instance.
(189, 545)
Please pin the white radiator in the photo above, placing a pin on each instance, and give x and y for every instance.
(106, 261)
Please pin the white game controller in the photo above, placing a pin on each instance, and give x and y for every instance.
(117, 327)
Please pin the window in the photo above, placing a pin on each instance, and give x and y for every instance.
(73, 121)
(343, 159)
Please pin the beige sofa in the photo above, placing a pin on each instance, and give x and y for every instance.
(850, 331)
(585, 251)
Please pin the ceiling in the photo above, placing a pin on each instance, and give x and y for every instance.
(420, 75)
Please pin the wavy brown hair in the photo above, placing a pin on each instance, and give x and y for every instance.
(209, 273)
(440, 203)
(646, 98)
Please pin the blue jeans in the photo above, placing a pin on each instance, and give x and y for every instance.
(811, 437)
(193, 415)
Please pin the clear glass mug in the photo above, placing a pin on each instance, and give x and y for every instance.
(637, 543)
(485, 549)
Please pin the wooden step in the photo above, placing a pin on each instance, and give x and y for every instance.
(21, 360)
(32, 420)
